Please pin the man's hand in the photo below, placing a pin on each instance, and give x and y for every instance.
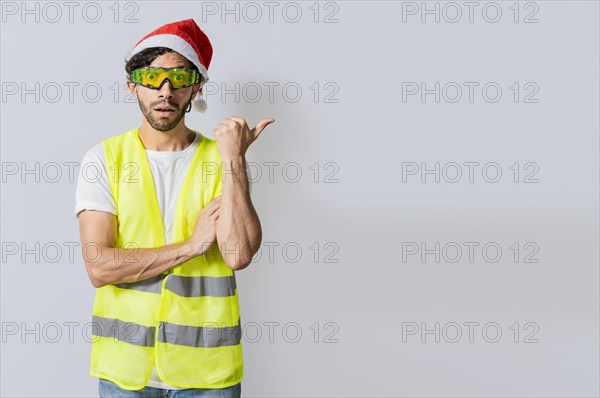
(205, 231)
(234, 137)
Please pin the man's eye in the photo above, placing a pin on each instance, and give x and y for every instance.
(151, 76)
(178, 77)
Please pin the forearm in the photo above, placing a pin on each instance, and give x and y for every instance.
(115, 265)
(239, 233)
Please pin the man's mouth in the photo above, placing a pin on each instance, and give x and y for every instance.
(165, 111)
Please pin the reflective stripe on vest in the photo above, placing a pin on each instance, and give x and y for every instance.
(188, 286)
(196, 286)
(199, 336)
(128, 332)
(192, 336)
(186, 321)
(151, 285)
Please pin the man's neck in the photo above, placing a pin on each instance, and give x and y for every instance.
(173, 140)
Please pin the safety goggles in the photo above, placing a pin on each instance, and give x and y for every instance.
(154, 77)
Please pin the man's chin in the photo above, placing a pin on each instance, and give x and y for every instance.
(165, 125)
(163, 128)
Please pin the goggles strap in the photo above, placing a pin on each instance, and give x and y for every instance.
(189, 107)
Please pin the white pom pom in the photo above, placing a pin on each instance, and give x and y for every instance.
(199, 103)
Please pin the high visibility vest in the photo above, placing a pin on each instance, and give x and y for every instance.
(186, 321)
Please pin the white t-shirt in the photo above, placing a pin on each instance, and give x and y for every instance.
(169, 169)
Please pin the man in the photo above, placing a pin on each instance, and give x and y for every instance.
(164, 223)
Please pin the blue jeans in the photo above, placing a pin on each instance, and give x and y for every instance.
(108, 389)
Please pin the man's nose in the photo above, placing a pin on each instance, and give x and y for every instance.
(166, 90)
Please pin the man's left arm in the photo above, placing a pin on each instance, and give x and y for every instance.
(238, 228)
(239, 232)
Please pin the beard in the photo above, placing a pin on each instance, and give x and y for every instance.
(161, 123)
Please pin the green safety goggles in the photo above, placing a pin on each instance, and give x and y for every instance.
(154, 77)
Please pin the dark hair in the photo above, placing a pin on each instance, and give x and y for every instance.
(145, 57)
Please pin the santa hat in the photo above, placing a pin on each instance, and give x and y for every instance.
(187, 39)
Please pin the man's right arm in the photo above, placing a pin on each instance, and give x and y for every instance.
(106, 264)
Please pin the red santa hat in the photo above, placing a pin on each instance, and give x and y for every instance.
(187, 39)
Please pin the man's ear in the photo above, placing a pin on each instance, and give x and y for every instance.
(132, 87)
(195, 90)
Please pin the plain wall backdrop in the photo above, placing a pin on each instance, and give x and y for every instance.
(428, 192)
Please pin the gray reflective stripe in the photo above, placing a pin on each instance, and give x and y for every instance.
(150, 285)
(196, 286)
(129, 332)
(198, 336)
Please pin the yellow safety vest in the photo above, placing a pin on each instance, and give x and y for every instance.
(186, 320)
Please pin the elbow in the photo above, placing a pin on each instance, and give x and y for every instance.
(97, 284)
(245, 257)
(241, 257)
(237, 262)
(95, 275)
(238, 265)
(99, 268)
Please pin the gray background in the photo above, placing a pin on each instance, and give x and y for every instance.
(357, 291)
